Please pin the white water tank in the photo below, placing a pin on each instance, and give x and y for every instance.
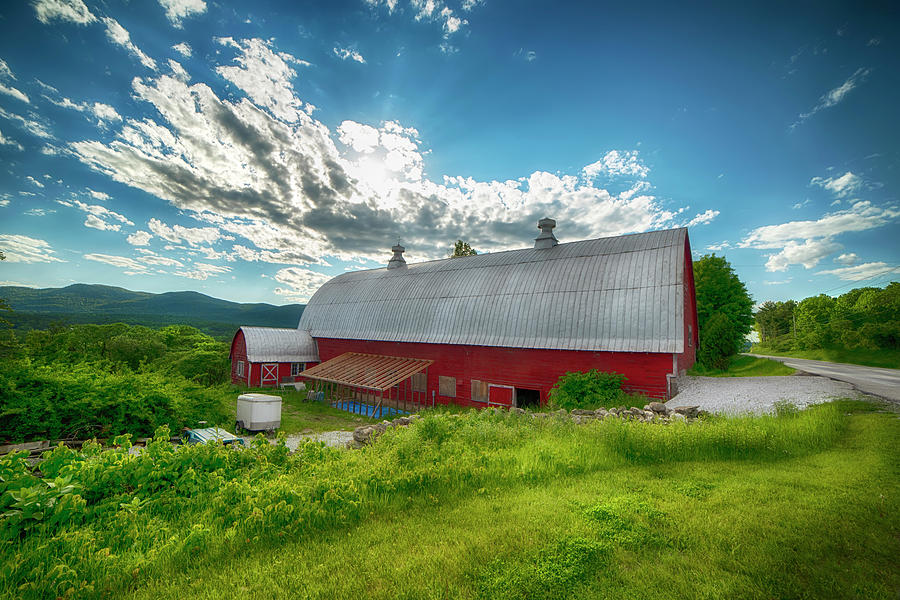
(258, 412)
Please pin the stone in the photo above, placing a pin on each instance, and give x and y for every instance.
(363, 433)
(658, 407)
(578, 419)
(689, 412)
(582, 411)
(675, 416)
(601, 412)
(560, 413)
(403, 421)
(516, 410)
(649, 415)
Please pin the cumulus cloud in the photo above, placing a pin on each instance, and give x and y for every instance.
(97, 223)
(617, 164)
(119, 35)
(177, 234)
(348, 54)
(139, 238)
(34, 181)
(178, 10)
(260, 167)
(24, 249)
(32, 126)
(183, 49)
(98, 195)
(834, 96)
(151, 258)
(842, 186)
(808, 242)
(73, 11)
(301, 283)
(848, 260)
(103, 113)
(703, 218)
(862, 272)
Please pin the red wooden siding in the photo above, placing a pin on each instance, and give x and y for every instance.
(516, 367)
(253, 371)
(239, 353)
(691, 334)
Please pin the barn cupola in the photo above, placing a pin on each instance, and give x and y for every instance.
(545, 239)
(397, 259)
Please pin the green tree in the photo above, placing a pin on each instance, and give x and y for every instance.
(462, 249)
(814, 317)
(720, 291)
(774, 319)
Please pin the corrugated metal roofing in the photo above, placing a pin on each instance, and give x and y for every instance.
(269, 344)
(621, 293)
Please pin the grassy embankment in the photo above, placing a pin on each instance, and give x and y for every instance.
(298, 415)
(889, 359)
(484, 505)
(744, 366)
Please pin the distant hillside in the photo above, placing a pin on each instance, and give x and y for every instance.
(83, 303)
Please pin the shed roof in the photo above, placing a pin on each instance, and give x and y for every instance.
(622, 293)
(269, 344)
(367, 371)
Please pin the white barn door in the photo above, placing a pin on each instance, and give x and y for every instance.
(269, 374)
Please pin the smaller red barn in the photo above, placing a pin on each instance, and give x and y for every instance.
(265, 356)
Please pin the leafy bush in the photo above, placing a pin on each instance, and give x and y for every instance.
(592, 389)
(716, 343)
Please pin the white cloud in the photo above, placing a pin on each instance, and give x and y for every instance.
(862, 272)
(132, 266)
(178, 10)
(432, 11)
(261, 168)
(34, 181)
(95, 222)
(98, 212)
(98, 195)
(15, 93)
(860, 217)
(104, 113)
(5, 141)
(178, 71)
(265, 76)
(842, 186)
(848, 260)
(617, 164)
(703, 218)
(39, 212)
(781, 282)
(301, 283)
(834, 96)
(24, 249)
(528, 55)
(183, 49)
(808, 254)
(119, 35)
(203, 271)
(348, 54)
(139, 238)
(30, 125)
(718, 247)
(151, 258)
(191, 235)
(73, 11)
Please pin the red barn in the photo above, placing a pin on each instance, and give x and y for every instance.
(264, 356)
(501, 328)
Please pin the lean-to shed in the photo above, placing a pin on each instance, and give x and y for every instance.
(501, 328)
(264, 356)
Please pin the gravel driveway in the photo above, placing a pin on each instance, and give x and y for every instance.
(735, 395)
(331, 438)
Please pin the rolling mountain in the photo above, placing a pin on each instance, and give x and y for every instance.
(85, 303)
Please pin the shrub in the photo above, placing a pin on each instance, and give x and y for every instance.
(587, 390)
(716, 343)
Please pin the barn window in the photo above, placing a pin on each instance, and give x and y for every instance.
(240, 368)
(479, 391)
(296, 369)
(690, 335)
(419, 382)
(447, 386)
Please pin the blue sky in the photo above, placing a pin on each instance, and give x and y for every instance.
(250, 151)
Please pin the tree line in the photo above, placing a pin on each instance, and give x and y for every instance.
(863, 318)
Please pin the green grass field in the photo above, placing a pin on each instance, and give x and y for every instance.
(889, 359)
(744, 366)
(480, 505)
(300, 416)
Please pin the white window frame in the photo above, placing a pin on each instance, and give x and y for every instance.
(297, 368)
(272, 369)
(239, 368)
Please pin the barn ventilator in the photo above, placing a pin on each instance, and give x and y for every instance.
(370, 384)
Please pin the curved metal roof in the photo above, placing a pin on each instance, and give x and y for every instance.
(621, 293)
(268, 344)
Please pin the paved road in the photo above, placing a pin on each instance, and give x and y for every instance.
(871, 380)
